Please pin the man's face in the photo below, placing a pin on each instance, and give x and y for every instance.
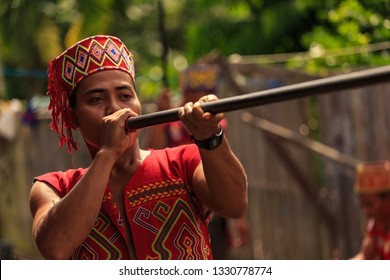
(370, 204)
(99, 95)
(376, 206)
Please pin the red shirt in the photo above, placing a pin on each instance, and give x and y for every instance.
(165, 216)
(381, 240)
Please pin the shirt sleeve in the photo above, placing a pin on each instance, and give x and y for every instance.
(62, 182)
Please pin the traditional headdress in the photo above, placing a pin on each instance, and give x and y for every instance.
(200, 77)
(373, 177)
(66, 71)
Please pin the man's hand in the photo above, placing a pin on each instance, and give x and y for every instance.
(201, 124)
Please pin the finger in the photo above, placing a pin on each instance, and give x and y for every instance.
(198, 112)
(208, 98)
(185, 114)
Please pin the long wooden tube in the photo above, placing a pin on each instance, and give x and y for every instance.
(319, 86)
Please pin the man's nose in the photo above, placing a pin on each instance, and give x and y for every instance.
(112, 106)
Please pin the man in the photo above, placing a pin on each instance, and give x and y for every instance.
(130, 203)
(373, 187)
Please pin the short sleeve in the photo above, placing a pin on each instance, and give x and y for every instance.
(62, 182)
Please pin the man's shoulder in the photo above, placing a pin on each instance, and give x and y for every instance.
(62, 181)
(67, 173)
(65, 177)
(175, 155)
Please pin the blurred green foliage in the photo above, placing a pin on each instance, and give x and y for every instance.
(33, 32)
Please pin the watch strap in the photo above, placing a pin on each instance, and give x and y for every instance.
(210, 143)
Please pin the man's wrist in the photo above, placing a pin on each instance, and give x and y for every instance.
(210, 143)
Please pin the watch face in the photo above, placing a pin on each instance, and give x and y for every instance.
(215, 143)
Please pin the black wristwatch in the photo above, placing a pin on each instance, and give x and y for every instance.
(209, 143)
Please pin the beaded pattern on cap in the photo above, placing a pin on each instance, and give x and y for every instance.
(200, 77)
(373, 177)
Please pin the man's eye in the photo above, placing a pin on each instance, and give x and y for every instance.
(96, 99)
(125, 96)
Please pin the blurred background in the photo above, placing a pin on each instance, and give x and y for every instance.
(300, 155)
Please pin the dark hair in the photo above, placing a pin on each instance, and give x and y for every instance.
(72, 100)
